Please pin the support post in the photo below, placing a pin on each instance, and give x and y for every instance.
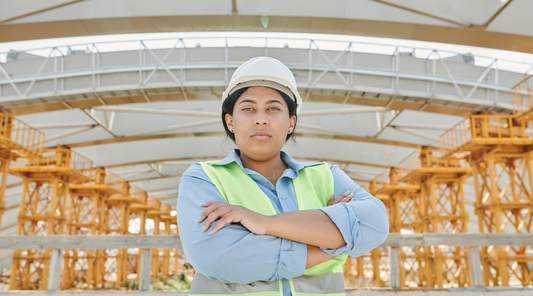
(474, 261)
(395, 267)
(54, 275)
(146, 265)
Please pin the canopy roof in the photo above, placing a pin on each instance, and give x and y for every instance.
(147, 109)
(503, 24)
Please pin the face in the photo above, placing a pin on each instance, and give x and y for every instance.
(260, 122)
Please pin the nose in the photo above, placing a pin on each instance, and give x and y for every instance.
(261, 119)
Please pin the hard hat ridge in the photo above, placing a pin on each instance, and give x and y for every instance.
(264, 71)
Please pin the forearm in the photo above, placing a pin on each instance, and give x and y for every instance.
(316, 256)
(312, 227)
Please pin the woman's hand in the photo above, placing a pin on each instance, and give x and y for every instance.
(254, 222)
(345, 197)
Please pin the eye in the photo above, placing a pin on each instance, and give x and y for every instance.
(247, 109)
(274, 108)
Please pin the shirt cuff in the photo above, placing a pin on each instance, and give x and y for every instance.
(344, 218)
(292, 259)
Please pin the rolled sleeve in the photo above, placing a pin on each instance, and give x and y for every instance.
(363, 222)
(292, 259)
(348, 225)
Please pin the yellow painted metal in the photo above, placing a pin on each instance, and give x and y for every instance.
(43, 209)
(17, 139)
(400, 199)
(499, 148)
(116, 222)
(82, 267)
(441, 209)
(424, 193)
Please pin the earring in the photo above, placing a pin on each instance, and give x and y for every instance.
(231, 131)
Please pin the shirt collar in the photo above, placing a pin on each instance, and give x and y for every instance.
(294, 165)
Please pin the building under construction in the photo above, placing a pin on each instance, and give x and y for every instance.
(428, 107)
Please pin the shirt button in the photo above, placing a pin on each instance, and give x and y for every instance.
(282, 196)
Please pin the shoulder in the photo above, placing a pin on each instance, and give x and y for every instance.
(195, 171)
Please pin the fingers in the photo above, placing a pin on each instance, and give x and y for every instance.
(212, 206)
(219, 213)
(348, 198)
(227, 219)
(345, 197)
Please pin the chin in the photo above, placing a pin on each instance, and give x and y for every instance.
(262, 151)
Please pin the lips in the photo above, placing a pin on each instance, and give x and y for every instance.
(261, 135)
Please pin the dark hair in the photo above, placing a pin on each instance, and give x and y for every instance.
(229, 104)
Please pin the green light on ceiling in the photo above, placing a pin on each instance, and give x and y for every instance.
(264, 21)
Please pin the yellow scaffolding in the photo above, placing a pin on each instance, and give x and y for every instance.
(500, 149)
(82, 268)
(17, 139)
(441, 208)
(43, 210)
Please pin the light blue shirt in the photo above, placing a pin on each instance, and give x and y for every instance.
(235, 255)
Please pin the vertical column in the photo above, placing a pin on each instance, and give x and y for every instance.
(144, 276)
(395, 267)
(496, 213)
(4, 170)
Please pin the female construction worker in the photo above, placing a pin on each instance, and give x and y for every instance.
(260, 223)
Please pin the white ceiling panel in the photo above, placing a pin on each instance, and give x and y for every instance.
(515, 19)
(129, 8)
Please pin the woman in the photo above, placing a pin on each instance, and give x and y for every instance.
(260, 222)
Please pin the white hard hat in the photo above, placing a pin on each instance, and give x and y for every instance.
(265, 71)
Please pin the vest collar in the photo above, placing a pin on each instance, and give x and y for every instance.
(293, 165)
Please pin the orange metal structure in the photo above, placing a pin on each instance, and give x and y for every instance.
(17, 139)
(441, 208)
(372, 269)
(82, 269)
(170, 257)
(401, 199)
(425, 193)
(117, 222)
(161, 257)
(500, 150)
(46, 179)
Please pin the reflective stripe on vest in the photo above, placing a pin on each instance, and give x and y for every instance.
(313, 188)
(326, 283)
(202, 285)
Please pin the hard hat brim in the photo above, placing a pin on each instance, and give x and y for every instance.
(267, 81)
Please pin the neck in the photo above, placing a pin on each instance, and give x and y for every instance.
(272, 168)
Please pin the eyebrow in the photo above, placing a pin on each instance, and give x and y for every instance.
(254, 102)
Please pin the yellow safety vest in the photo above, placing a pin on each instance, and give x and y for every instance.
(313, 187)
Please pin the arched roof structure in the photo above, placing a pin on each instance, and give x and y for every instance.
(502, 24)
(147, 109)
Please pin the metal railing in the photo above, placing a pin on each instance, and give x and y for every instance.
(495, 128)
(115, 182)
(20, 137)
(148, 242)
(54, 159)
(457, 136)
(519, 104)
(329, 64)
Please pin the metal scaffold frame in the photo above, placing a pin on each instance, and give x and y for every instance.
(43, 207)
(326, 70)
(499, 149)
(83, 268)
(64, 193)
(17, 139)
